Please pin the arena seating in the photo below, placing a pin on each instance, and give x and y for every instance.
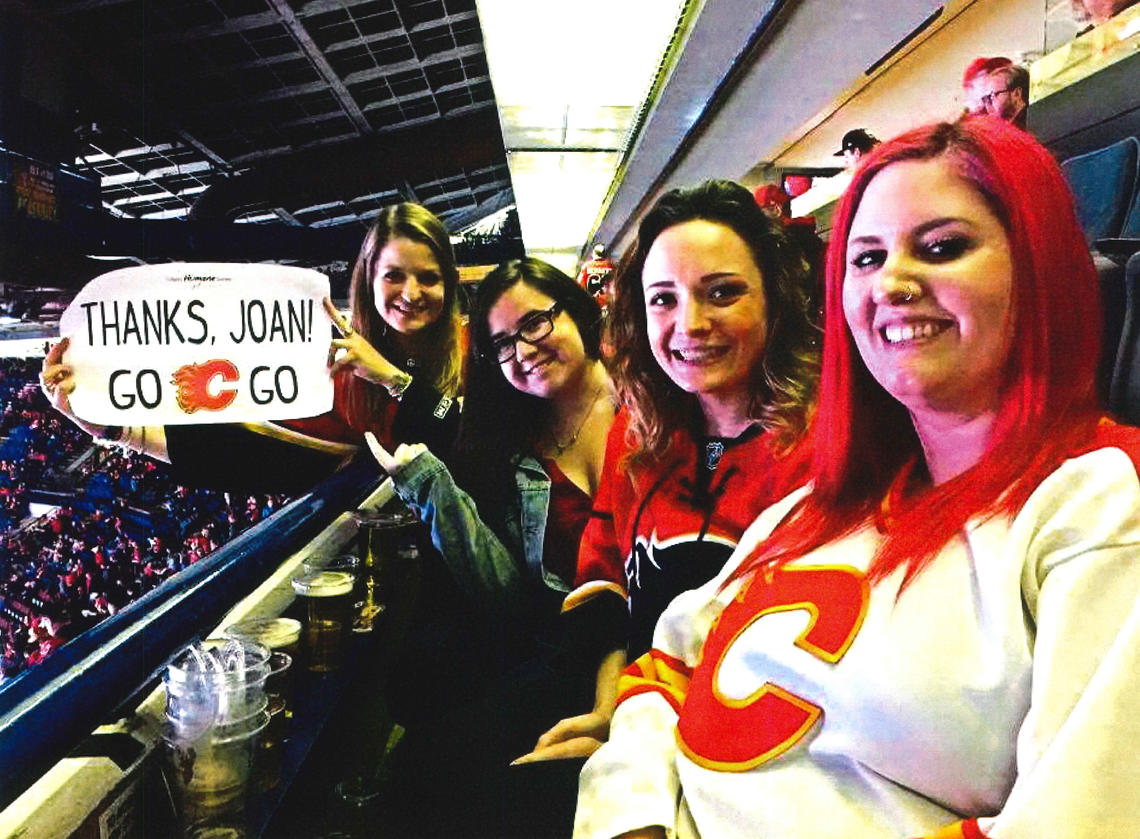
(119, 527)
(1124, 391)
(1131, 227)
(1104, 184)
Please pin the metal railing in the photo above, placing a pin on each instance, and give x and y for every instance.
(47, 710)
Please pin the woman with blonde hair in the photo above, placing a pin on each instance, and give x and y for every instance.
(397, 371)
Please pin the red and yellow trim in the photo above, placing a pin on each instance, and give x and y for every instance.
(735, 734)
(656, 672)
(966, 829)
(788, 715)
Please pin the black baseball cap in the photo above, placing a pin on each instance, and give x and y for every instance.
(857, 139)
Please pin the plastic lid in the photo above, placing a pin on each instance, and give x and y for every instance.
(218, 659)
(341, 562)
(272, 632)
(323, 584)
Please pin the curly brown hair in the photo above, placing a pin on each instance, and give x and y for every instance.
(783, 383)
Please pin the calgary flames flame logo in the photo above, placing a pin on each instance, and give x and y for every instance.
(193, 382)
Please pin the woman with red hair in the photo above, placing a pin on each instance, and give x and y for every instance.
(939, 636)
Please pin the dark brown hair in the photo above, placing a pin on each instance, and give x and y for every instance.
(783, 383)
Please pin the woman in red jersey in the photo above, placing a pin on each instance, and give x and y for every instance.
(715, 361)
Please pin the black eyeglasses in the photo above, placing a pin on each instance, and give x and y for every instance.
(988, 99)
(537, 326)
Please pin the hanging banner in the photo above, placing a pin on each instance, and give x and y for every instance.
(191, 343)
(34, 186)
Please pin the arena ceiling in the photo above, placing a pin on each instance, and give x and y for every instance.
(311, 113)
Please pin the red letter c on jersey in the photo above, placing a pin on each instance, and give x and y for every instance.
(735, 735)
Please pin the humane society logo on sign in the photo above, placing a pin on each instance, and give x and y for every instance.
(185, 343)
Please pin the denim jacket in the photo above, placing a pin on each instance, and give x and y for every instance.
(481, 563)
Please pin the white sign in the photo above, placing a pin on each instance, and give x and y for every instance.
(185, 343)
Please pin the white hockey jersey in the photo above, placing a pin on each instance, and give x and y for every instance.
(997, 696)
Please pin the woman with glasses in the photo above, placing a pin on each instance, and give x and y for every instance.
(529, 455)
(397, 371)
(716, 364)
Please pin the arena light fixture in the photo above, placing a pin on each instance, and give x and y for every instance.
(570, 80)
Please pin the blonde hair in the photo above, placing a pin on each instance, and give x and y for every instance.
(438, 348)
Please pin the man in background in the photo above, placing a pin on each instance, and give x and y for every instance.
(977, 70)
(1005, 94)
(856, 143)
(998, 87)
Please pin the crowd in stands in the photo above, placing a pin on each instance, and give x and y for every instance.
(118, 524)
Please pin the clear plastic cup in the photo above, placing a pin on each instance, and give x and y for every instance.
(348, 563)
(216, 682)
(382, 534)
(282, 634)
(364, 609)
(279, 683)
(211, 773)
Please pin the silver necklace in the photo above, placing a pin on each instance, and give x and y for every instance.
(560, 447)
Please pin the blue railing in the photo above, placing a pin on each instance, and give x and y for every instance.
(46, 711)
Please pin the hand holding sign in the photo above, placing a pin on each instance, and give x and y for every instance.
(57, 379)
(194, 343)
(359, 356)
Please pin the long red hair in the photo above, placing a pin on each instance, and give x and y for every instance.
(863, 441)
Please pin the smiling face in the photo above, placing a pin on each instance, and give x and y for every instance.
(928, 289)
(408, 285)
(706, 312)
(552, 365)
